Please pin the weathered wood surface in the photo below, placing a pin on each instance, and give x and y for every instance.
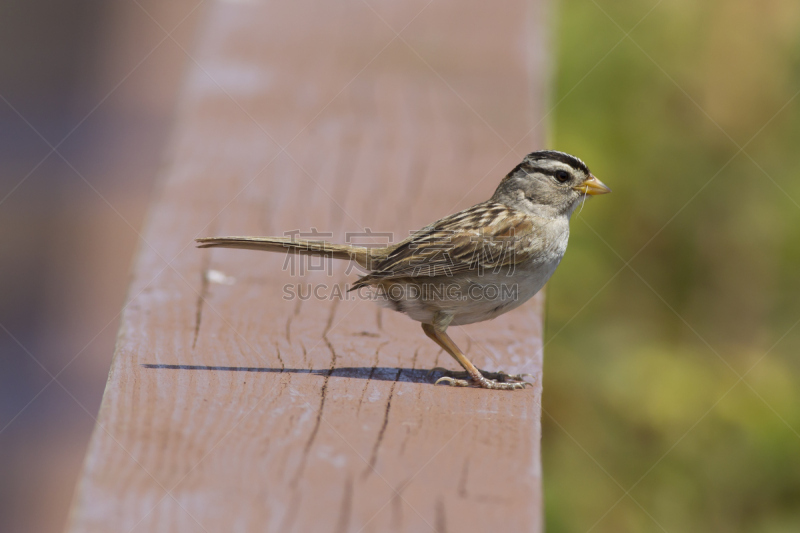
(229, 408)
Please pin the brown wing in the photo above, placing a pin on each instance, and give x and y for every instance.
(486, 236)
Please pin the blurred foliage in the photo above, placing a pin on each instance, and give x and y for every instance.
(686, 278)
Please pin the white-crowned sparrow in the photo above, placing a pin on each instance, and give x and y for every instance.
(473, 265)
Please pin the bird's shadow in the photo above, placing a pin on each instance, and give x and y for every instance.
(379, 373)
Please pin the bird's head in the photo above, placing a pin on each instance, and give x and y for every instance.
(548, 183)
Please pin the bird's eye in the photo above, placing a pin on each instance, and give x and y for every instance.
(562, 176)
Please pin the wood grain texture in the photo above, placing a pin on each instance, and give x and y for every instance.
(231, 408)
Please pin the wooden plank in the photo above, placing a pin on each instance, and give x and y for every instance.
(231, 408)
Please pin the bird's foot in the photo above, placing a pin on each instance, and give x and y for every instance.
(497, 376)
(487, 380)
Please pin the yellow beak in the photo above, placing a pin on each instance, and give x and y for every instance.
(592, 186)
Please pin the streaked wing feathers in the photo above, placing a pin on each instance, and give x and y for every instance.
(487, 236)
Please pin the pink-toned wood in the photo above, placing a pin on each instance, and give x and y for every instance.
(231, 408)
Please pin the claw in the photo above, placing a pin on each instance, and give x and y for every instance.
(488, 380)
(498, 385)
(503, 377)
(499, 376)
(484, 383)
(453, 382)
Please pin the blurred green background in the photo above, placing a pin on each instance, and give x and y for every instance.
(671, 370)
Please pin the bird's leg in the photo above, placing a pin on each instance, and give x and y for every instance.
(475, 375)
(497, 380)
(462, 376)
(429, 331)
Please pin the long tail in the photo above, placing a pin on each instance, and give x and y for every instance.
(365, 257)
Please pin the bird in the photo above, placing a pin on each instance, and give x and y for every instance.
(471, 266)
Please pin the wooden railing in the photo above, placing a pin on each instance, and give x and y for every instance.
(231, 406)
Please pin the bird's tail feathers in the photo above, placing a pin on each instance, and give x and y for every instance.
(362, 255)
